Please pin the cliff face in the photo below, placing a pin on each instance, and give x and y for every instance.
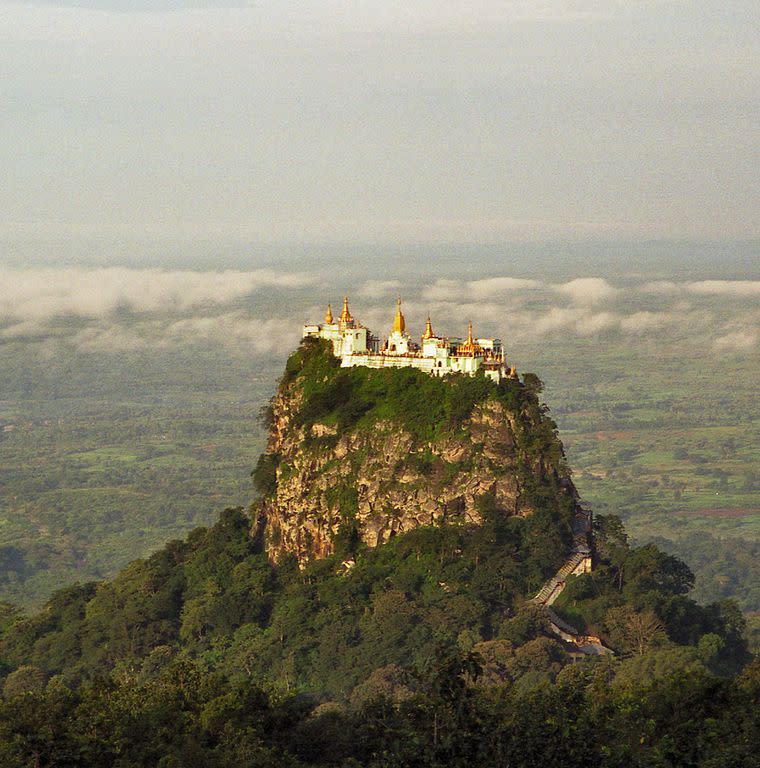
(367, 476)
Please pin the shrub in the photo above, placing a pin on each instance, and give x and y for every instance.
(265, 473)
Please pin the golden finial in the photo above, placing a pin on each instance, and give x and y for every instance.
(469, 348)
(345, 315)
(428, 330)
(328, 314)
(399, 324)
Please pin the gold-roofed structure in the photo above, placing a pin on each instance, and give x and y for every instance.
(355, 345)
(399, 323)
(345, 315)
(469, 348)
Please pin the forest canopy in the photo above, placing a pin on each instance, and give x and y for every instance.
(425, 653)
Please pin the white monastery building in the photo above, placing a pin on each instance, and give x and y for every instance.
(435, 355)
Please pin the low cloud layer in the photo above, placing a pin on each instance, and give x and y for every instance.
(736, 288)
(581, 290)
(529, 309)
(260, 312)
(737, 341)
(374, 289)
(746, 288)
(127, 310)
(645, 322)
(42, 294)
(587, 290)
(234, 332)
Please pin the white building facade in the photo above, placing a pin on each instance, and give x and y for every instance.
(435, 355)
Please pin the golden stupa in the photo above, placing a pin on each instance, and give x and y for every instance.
(399, 324)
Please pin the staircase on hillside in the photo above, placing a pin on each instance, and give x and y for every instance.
(578, 561)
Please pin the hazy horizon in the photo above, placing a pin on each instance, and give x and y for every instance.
(439, 122)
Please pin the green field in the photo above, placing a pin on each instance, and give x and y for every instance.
(673, 447)
(90, 484)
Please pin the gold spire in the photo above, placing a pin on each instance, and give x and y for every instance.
(469, 348)
(328, 314)
(428, 330)
(345, 315)
(399, 324)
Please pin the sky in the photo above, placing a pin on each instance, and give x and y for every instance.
(344, 121)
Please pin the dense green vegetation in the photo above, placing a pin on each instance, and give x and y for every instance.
(425, 406)
(423, 654)
(216, 597)
(592, 715)
(726, 567)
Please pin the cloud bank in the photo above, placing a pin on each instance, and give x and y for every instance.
(528, 309)
(737, 341)
(259, 312)
(587, 290)
(488, 288)
(743, 288)
(41, 294)
(126, 310)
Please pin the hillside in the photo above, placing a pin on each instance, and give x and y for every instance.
(359, 456)
(406, 623)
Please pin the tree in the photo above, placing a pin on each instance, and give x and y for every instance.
(25, 679)
(265, 473)
(632, 631)
(533, 384)
(648, 569)
(8, 614)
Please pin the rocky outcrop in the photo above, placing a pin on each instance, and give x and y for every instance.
(373, 482)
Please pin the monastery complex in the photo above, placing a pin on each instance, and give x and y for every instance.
(436, 355)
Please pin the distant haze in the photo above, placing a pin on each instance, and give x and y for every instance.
(380, 122)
